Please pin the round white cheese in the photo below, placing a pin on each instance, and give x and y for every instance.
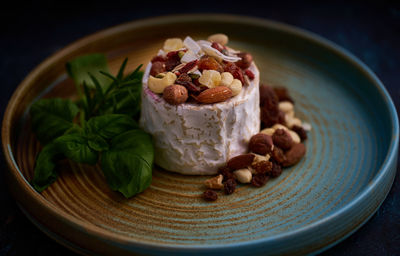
(197, 139)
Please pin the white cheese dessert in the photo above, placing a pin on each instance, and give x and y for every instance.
(195, 138)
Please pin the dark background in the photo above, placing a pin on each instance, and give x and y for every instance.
(30, 32)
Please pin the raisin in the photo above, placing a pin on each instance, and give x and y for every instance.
(230, 186)
(263, 167)
(282, 139)
(269, 106)
(278, 155)
(172, 61)
(249, 74)
(259, 180)
(185, 80)
(276, 170)
(283, 94)
(209, 63)
(226, 172)
(210, 195)
(235, 71)
(158, 58)
(300, 131)
(157, 68)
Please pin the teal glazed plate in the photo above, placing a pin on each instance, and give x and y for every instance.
(347, 172)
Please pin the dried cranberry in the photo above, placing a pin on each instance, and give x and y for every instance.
(226, 172)
(157, 68)
(283, 94)
(263, 167)
(276, 170)
(235, 71)
(158, 58)
(210, 195)
(249, 74)
(278, 155)
(217, 46)
(209, 63)
(230, 186)
(300, 131)
(172, 61)
(246, 60)
(259, 180)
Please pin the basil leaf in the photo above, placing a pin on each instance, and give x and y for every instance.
(52, 117)
(76, 148)
(97, 143)
(126, 98)
(110, 125)
(127, 166)
(45, 173)
(79, 68)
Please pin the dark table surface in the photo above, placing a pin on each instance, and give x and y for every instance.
(30, 33)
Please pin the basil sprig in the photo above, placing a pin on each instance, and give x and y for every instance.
(107, 132)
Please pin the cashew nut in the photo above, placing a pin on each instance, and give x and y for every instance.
(219, 38)
(157, 85)
(243, 175)
(172, 44)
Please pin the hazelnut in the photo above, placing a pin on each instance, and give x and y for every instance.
(246, 60)
(175, 94)
(261, 144)
(282, 139)
(157, 67)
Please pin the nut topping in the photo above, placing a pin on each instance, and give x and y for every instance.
(214, 95)
(240, 161)
(175, 94)
(261, 144)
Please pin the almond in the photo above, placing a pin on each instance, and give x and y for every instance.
(214, 95)
(240, 161)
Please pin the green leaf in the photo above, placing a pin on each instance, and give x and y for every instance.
(52, 117)
(45, 173)
(97, 143)
(127, 101)
(79, 68)
(121, 69)
(76, 148)
(127, 166)
(110, 125)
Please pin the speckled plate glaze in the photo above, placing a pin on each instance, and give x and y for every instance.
(345, 176)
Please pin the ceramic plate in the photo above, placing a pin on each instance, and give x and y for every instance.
(345, 176)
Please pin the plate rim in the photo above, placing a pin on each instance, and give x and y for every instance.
(99, 233)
